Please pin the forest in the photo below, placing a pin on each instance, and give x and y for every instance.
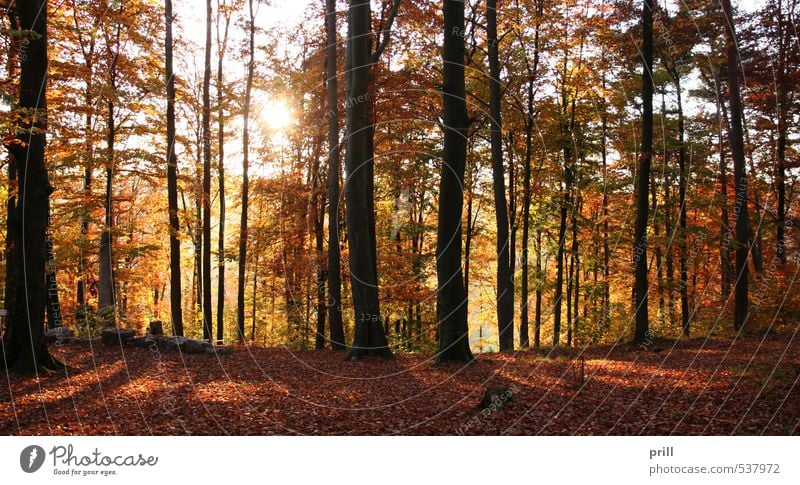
(420, 205)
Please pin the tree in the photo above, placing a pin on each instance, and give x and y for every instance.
(532, 68)
(642, 332)
(251, 26)
(224, 12)
(24, 346)
(206, 194)
(742, 231)
(505, 282)
(106, 301)
(451, 311)
(369, 338)
(175, 291)
(334, 272)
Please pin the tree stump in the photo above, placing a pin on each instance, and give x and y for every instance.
(156, 328)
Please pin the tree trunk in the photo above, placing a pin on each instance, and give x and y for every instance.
(742, 234)
(369, 338)
(24, 347)
(537, 326)
(334, 300)
(451, 311)
(505, 283)
(175, 291)
(245, 177)
(784, 86)
(642, 332)
(207, 315)
(683, 235)
(222, 48)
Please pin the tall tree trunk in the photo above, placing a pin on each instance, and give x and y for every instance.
(524, 338)
(369, 338)
(642, 332)
(23, 342)
(576, 262)
(255, 298)
(207, 315)
(175, 291)
(106, 300)
(742, 234)
(784, 87)
(451, 311)
(245, 175)
(725, 229)
(683, 234)
(558, 296)
(80, 290)
(222, 42)
(505, 283)
(669, 251)
(606, 318)
(334, 301)
(537, 326)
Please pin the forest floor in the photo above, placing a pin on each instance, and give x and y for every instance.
(692, 387)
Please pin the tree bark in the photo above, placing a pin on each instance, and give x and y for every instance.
(742, 233)
(24, 347)
(175, 290)
(106, 299)
(369, 338)
(222, 43)
(505, 283)
(207, 315)
(245, 176)
(451, 311)
(334, 273)
(642, 332)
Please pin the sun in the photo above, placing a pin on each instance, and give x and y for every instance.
(276, 114)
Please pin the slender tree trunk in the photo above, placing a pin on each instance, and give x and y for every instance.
(334, 300)
(451, 311)
(683, 233)
(106, 300)
(670, 250)
(576, 262)
(223, 47)
(207, 315)
(606, 247)
(742, 234)
(175, 292)
(245, 176)
(524, 338)
(23, 342)
(537, 328)
(255, 299)
(725, 229)
(505, 283)
(784, 87)
(642, 332)
(558, 296)
(80, 291)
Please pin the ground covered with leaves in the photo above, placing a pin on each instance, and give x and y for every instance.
(692, 387)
